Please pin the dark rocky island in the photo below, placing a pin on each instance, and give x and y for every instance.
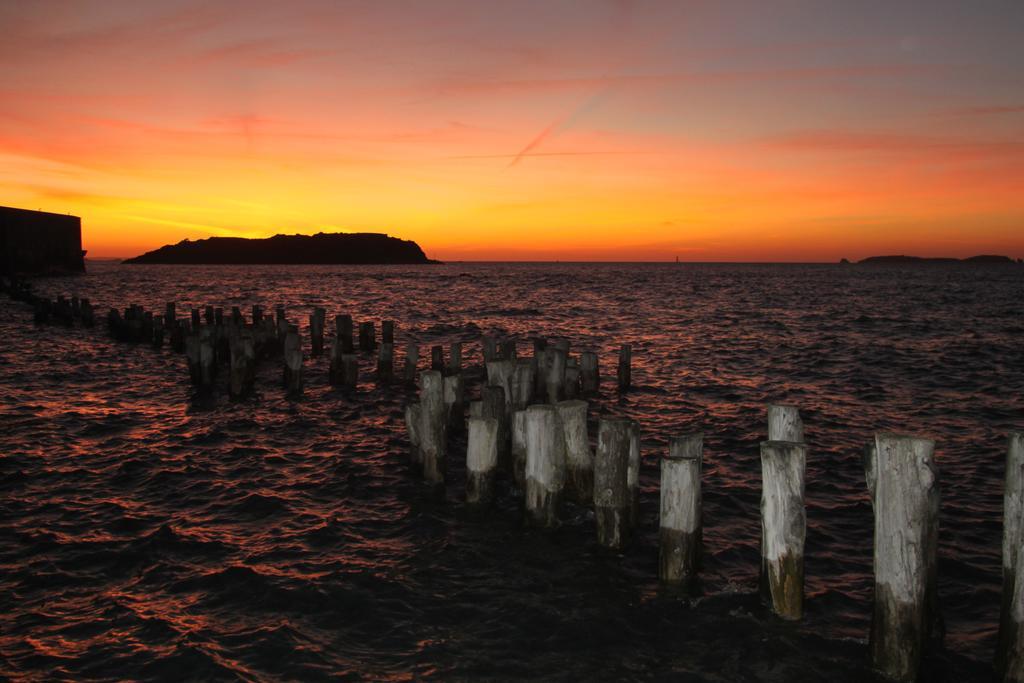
(319, 249)
(984, 258)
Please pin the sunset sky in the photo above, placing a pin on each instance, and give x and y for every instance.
(712, 131)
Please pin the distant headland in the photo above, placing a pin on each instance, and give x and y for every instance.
(320, 249)
(982, 259)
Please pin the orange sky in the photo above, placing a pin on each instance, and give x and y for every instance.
(588, 130)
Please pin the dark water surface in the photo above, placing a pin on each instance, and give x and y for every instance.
(144, 535)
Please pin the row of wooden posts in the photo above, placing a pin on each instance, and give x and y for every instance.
(530, 421)
(547, 450)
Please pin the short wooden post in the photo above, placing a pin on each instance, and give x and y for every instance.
(784, 424)
(170, 311)
(196, 322)
(634, 474)
(554, 376)
(316, 331)
(545, 465)
(612, 499)
(681, 531)
(88, 313)
(293, 361)
(493, 404)
(579, 459)
(367, 337)
(336, 373)
(1010, 648)
(158, 331)
(343, 331)
(625, 373)
(209, 315)
(243, 358)
(540, 368)
(455, 401)
(412, 359)
(903, 483)
(433, 432)
(387, 332)
(499, 374)
(590, 378)
(455, 358)
(257, 315)
(784, 524)
(519, 448)
(481, 460)
(508, 348)
(192, 357)
(385, 362)
(207, 368)
(522, 384)
(413, 423)
(437, 358)
(571, 386)
(490, 348)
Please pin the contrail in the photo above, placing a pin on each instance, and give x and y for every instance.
(561, 124)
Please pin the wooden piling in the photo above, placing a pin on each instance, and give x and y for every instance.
(349, 372)
(455, 401)
(611, 482)
(343, 331)
(207, 368)
(545, 465)
(493, 404)
(293, 361)
(554, 374)
(590, 378)
(783, 524)
(437, 358)
(680, 532)
(1010, 647)
(387, 332)
(385, 362)
(413, 423)
(481, 460)
(243, 360)
(508, 349)
(634, 474)
(519, 448)
(579, 459)
(903, 483)
(433, 429)
(455, 358)
(412, 359)
(784, 424)
(195, 319)
(625, 372)
(490, 348)
(316, 331)
(521, 384)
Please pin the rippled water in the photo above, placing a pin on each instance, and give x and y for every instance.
(145, 535)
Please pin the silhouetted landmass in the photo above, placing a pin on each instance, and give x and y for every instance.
(984, 258)
(319, 249)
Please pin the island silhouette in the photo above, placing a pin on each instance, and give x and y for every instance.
(319, 249)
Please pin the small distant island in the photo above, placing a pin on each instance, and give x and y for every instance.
(983, 258)
(357, 248)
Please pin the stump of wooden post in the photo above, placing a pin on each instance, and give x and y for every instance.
(437, 358)
(293, 361)
(784, 424)
(545, 465)
(590, 378)
(316, 331)
(349, 372)
(481, 460)
(903, 483)
(433, 428)
(579, 460)
(490, 348)
(554, 373)
(625, 372)
(455, 358)
(612, 498)
(412, 359)
(196, 322)
(493, 404)
(522, 384)
(571, 387)
(386, 362)
(783, 524)
(519, 448)
(508, 349)
(1010, 648)
(343, 331)
(634, 474)
(243, 358)
(387, 332)
(455, 401)
(207, 367)
(680, 533)
(413, 423)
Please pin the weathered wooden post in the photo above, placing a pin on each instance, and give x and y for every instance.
(243, 358)
(387, 332)
(343, 331)
(579, 460)
(316, 331)
(612, 498)
(903, 483)
(158, 331)
(207, 367)
(625, 373)
(1010, 648)
(499, 374)
(522, 384)
(634, 474)
(519, 448)
(209, 315)
(170, 312)
(508, 348)
(589, 375)
(293, 361)
(88, 313)
(490, 348)
(367, 337)
(433, 432)
(218, 317)
(493, 404)
(195, 319)
(571, 387)
(545, 465)
(385, 362)
(437, 358)
(257, 315)
(554, 376)
(783, 524)
(455, 358)
(413, 423)
(481, 460)
(412, 359)
(680, 534)
(192, 357)
(540, 368)
(237, 319)
(455, 401)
